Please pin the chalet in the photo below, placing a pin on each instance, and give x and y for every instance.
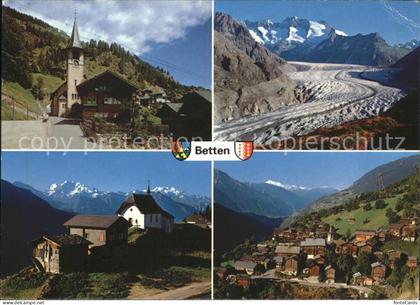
(168, 114)
(198, 220)
(364, 235)
(286, 235)
(347, 248)
(407, 221)
(319, 259)
(242, 280)
(378, 255)
(142, 211)
(364, 247)
(104, 95)
(263, 248)
(105, 232)
(395, 230)
(195, 115)
(408, 233)
(313, 246)
(291, 265)
(60, 253)
(351, 220)
(378, 271)
(286, 250)
(362, 280)
(245, 267)
(100, 96)
(393, 255)
(191, 117)
(411, 262)
(382, 234)
(279, 261)
(330, 274)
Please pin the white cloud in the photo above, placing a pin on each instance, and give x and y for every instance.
(133, 24)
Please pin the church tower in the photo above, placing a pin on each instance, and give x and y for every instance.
(75, 66)
(330, 236)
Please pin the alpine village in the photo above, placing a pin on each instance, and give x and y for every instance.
(365, 247)
(102, 88)
(140, 252)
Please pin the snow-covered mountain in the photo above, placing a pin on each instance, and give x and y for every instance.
(411, 45)
(299, 39)
(79, 198)
(309, 194)
(290, 32)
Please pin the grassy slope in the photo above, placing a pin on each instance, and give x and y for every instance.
(376, 216)
(23, 97)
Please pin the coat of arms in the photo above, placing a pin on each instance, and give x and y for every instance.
(244, 150)
(181, 150)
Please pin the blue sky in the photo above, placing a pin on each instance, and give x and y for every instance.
(396, 21)
(107, 171)
(172, 34)
(311, 169)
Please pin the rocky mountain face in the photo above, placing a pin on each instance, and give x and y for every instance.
(77, 197)
(299, 39)
(265, 199)
(408, 67)
(25, 217)
(391, 172)
(249, 78)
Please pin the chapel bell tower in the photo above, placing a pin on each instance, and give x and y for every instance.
(75, 66)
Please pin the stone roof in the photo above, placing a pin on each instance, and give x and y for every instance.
(313, 242)
(245, 265)
(92, 221)
(67, 240)
(287, 249)
(377, 264)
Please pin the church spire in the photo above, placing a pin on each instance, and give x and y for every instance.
(75, 39)
(148, 187)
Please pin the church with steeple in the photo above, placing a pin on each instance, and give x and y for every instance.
(100, 96)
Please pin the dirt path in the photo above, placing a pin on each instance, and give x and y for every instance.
(189, 291)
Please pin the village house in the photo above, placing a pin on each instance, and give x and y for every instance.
(362, 280)
(347, 248)
(364, 235)
(291, 265)
(319, 259)
(313, 246)
(60, 253)
(107, 233)
(395, 230)
(242, 280)
(393, 255)
(197, 220)
(364, 247)
(104, 96)
(330, 274)
(190, 117)
(382, 234)
(378, 272)
(142, 211)
(407, 221)
(411, 262)
(101, 96)
(378, 255)
(247, 267)
(312, 272)
(286, 250)
(409, 233)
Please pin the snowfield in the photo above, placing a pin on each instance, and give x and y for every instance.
(338, 93)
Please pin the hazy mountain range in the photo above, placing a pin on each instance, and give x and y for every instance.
(271, 199)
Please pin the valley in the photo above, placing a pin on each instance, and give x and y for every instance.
(336, 93)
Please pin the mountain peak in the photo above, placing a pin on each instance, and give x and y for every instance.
(286, 186)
